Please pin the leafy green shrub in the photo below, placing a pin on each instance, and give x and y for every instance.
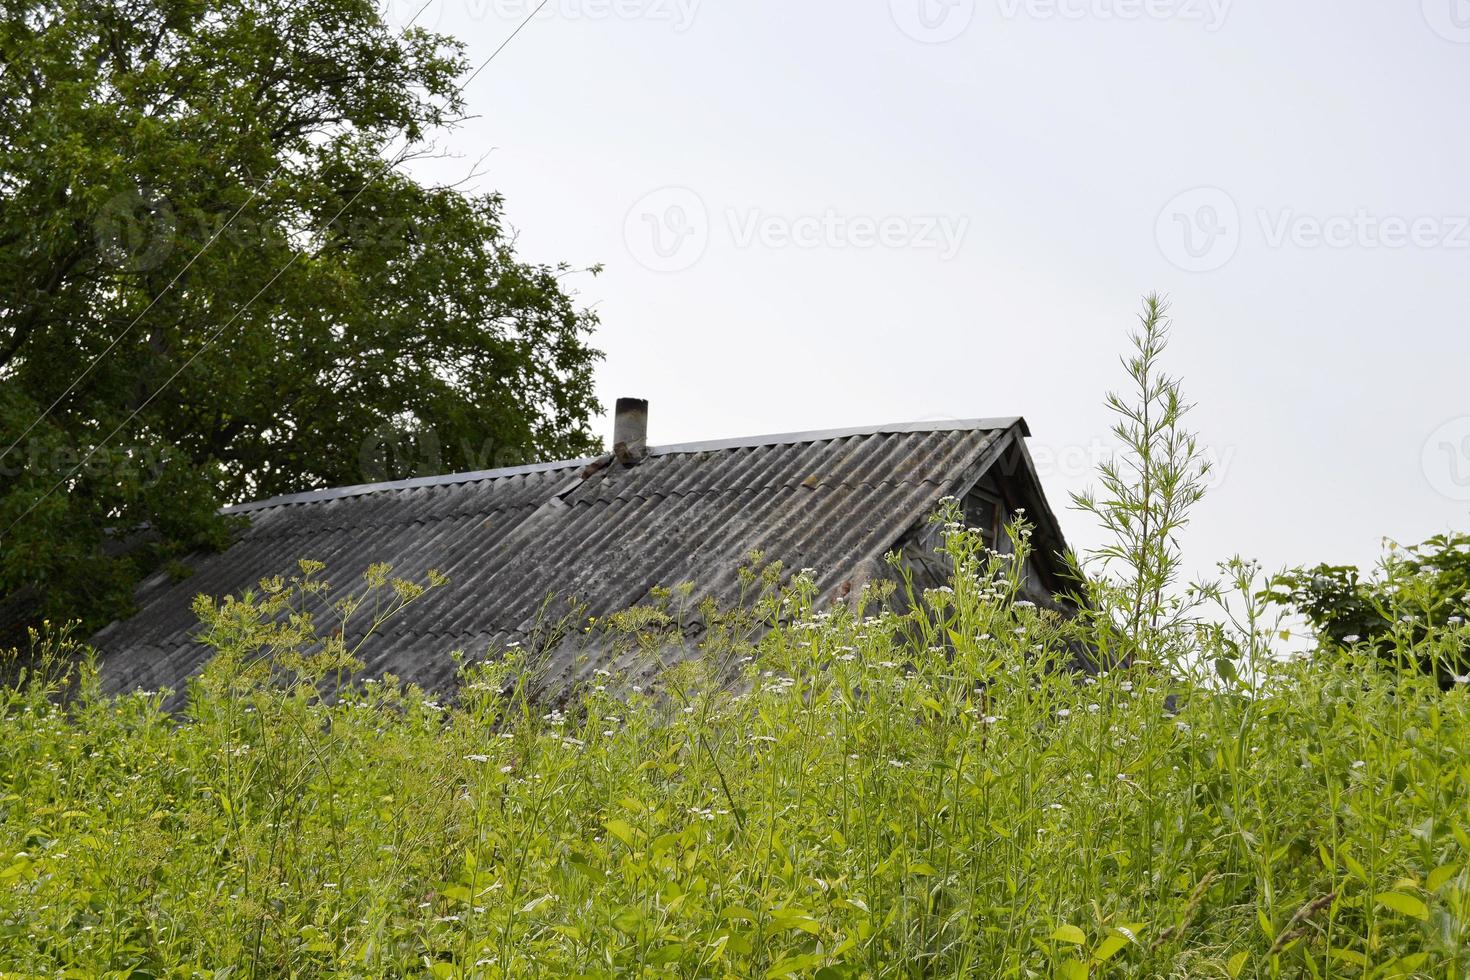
(1410, 611)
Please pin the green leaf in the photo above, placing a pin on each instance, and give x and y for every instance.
(1440, 875)
(15, 870)
(628, 920)
(793, 965)
(1108, 948)
(622, 830)
(1403, 904)
(668, 954)
(795, 919)
(664, 842)
(1349, 956)
(536, 903)
(1236, 963)
(1072, 969)
(1265, 923)
(1069, 934)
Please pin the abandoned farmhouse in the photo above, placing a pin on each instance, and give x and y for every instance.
(606, 532)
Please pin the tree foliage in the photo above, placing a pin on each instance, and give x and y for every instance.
(1413, 594)
(218, 284)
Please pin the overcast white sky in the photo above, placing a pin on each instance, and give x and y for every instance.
(828, 214)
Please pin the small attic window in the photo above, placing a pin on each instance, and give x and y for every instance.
(982, 510)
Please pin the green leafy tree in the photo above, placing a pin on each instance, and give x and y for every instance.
(217, 283)
(1411, 610)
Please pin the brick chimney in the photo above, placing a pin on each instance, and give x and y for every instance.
(630, 430)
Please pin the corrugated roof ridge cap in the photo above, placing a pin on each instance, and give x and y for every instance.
(823, 435)
(442, 480)
(742, 442)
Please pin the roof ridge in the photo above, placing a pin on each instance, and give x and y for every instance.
(744, 442)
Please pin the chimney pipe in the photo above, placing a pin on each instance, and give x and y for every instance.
(630, 430)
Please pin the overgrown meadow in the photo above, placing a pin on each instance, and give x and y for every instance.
(925, 794)
(901, 785)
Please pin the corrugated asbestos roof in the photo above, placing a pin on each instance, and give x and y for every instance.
(508, 539)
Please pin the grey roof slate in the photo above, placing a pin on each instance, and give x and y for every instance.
(510, 538)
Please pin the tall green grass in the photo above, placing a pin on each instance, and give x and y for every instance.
(917, 794)
(918, 788)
